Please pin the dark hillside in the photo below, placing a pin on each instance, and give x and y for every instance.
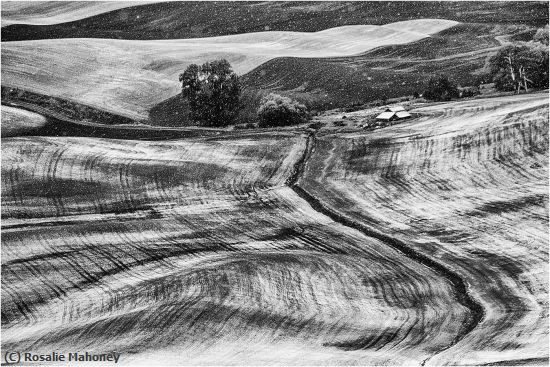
(460, 52)
(172, 20)
(458, 40)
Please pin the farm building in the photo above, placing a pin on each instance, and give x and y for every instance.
(393, 113)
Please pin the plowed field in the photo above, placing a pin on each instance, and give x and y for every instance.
(424, 242)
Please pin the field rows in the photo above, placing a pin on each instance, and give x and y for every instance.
(194, 251)
(466, 185)
(420, 243)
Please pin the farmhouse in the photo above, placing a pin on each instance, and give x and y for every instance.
(393, 113)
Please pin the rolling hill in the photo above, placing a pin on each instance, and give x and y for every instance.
(130, 77)
(419, 243)
(299, 56)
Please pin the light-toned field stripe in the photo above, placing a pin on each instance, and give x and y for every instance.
(53, 12)
(16, 121)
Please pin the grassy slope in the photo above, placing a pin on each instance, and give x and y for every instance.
(466, 185)
(194, 251)
(130, 77)
(206, 19)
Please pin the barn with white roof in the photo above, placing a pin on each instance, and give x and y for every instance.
(393, 113)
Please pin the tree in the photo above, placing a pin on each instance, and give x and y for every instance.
(276, 110)
(520, 66)
(440, 88)
(213, 91)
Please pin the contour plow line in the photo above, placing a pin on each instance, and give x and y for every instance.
(460, 286)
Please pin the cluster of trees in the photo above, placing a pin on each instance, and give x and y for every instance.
(515, 67)
(520, 66)
(213, 91)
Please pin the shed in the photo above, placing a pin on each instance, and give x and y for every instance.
(393, 113)
(387, 115)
